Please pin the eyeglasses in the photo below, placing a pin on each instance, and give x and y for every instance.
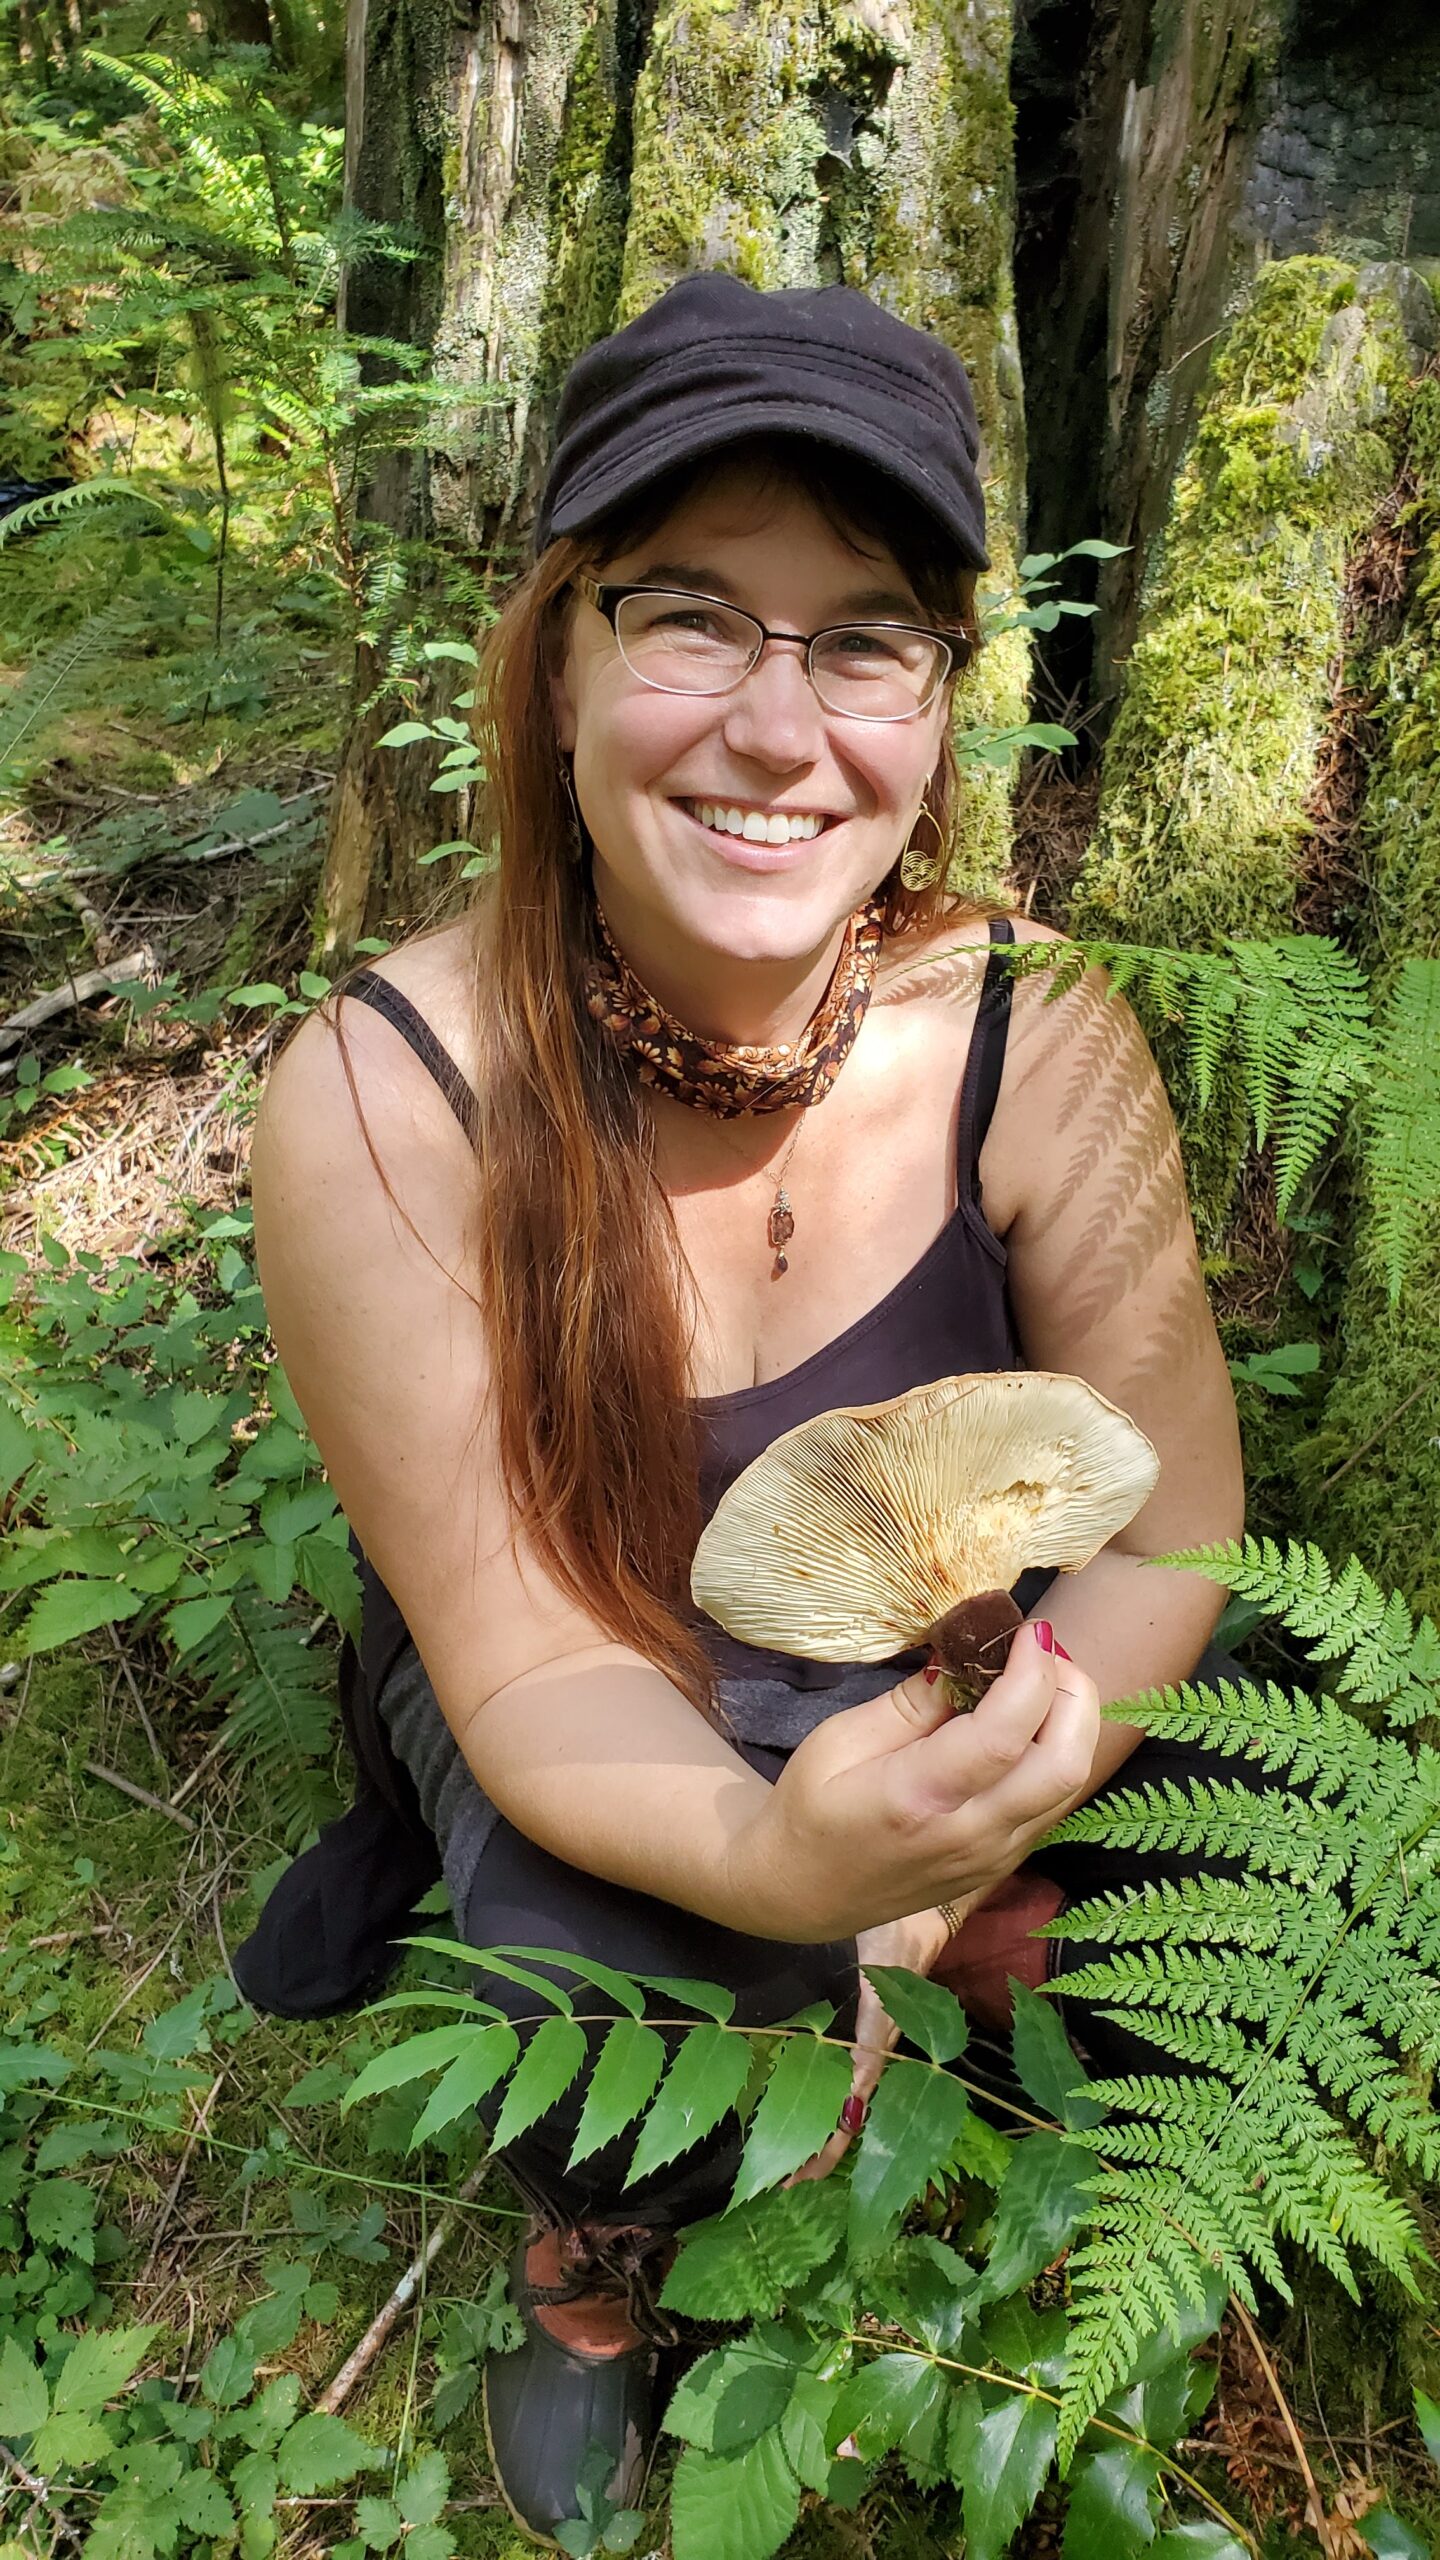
(679, 643)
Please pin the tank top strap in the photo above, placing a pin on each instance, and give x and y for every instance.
(986, 1061)
(413, 1028)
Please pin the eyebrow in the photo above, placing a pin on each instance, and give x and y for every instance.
(712, 582)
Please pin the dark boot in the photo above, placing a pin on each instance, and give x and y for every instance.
(588, 2373)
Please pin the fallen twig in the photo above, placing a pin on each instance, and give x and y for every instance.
(92, 982)
(147, 1727)
(142, 1795)
(39, 2491)
(336, 2393)
(200, 1770)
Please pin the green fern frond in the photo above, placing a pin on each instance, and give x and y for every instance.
(51, 683)
(1394, 1657)
(56, 504)
(280, 1697)
(1402, 1122)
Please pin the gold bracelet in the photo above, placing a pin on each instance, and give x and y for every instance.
(948, 1912)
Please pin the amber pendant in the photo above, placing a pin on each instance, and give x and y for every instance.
(780, 1229)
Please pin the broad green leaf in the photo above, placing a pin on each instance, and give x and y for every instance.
(180, 2029)
(710, 1998)
(551, 2060)
(202, 2505)
(70, 1609)
(435, 2542)
(99, 2365)
(287, 1512)
(733, 2396)
(227, 2374)
(422, 2493)
(71, 2443)
(618, 1986)
(321, 2452)
(406, 733)
(19, 1448)
(1001, 2445)
(378, 2522)
(624, 2079)
(926, 2288)
(733, 2507)
(261, 993)
(702, 2086)
(884, 2402)
(461, 651)
(41, 1555)
(804, 2429)
(62, 2215)
(410, 2061)
(191, 1621)
(799, 2107)
(273, 1568)
(1427, 2419)
(1046, 2064)
(24, 2399)
(1043, 2203)
(1391, 2538)
(471, 2077)
(328, 1573)
(1108, 2514)
(255, 2480)
(916, 2118)
(743, 2263)
(924, 2011)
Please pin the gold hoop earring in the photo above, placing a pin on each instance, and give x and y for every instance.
(919, 871)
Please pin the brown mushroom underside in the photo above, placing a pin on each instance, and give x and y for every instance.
(972, 1642)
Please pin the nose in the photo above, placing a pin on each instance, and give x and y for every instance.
(774, 716)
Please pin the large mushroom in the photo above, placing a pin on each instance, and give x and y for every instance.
(869, 1531)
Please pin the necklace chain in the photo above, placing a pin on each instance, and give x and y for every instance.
(780, 1222)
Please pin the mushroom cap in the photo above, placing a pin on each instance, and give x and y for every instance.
(851, 1535)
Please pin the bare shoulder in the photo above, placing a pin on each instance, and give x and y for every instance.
(346, 1060)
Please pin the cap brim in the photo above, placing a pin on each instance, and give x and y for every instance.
(585, 505)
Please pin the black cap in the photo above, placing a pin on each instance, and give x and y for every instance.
(714, 359)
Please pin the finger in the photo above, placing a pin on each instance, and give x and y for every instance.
(969, 1754)
(1057, 1765)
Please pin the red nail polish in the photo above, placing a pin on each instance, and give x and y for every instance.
(1044, 1634)
(1060, 1649)
(932, 1673)
(852, 2114)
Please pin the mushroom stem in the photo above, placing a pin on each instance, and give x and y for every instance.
(971, 1643)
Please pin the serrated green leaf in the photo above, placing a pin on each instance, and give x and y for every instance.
(377, 2521)
(916, 2118)
(710, 1998)
(180, 2029)
(431, 2542)
(733, 2395)
(328, 1573)
(798, 2111)
(744, 2262)
(1045, 2200)
(19, 1448)
(191, 1621)
(322, 2452)
(1046, 2064)
(61, 2215)
(553, 2057)
(471, 2076)
(883, 2403)
(410, 2060)
(422, 2493)
(1108, 2513)
(272, 1567)
(71, 2443)
(733, 2507)
(617, 1986)
(71, 1609)
(227, 2374)
(1001, 2444)
(289, 1512)
(24, 2398)
(701, 2087)
(255, 2481)
(924, 2011)
(202, 2505)
(99, 2366)
(624, 2079)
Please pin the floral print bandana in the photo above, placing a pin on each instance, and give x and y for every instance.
(729, 1079)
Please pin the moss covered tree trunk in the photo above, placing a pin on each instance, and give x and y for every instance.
(560, 162)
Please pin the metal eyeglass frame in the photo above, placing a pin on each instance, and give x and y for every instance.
(607, 599)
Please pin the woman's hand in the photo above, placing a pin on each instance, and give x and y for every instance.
(914, 1943)
(889, 1808)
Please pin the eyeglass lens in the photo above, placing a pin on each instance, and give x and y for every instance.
(685, 644)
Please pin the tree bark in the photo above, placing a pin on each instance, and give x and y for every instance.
(563, 161)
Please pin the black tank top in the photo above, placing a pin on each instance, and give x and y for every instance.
(949, 1316)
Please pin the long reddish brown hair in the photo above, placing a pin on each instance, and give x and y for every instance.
(581, 1277)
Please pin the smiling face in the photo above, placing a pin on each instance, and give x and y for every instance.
(655, 771)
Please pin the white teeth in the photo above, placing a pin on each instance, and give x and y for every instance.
(754, 826)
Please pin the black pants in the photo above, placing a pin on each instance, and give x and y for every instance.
(523, 1897)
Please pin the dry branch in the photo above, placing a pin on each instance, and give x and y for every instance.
(336, 2393)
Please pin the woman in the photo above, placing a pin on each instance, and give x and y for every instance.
(719, 1070)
